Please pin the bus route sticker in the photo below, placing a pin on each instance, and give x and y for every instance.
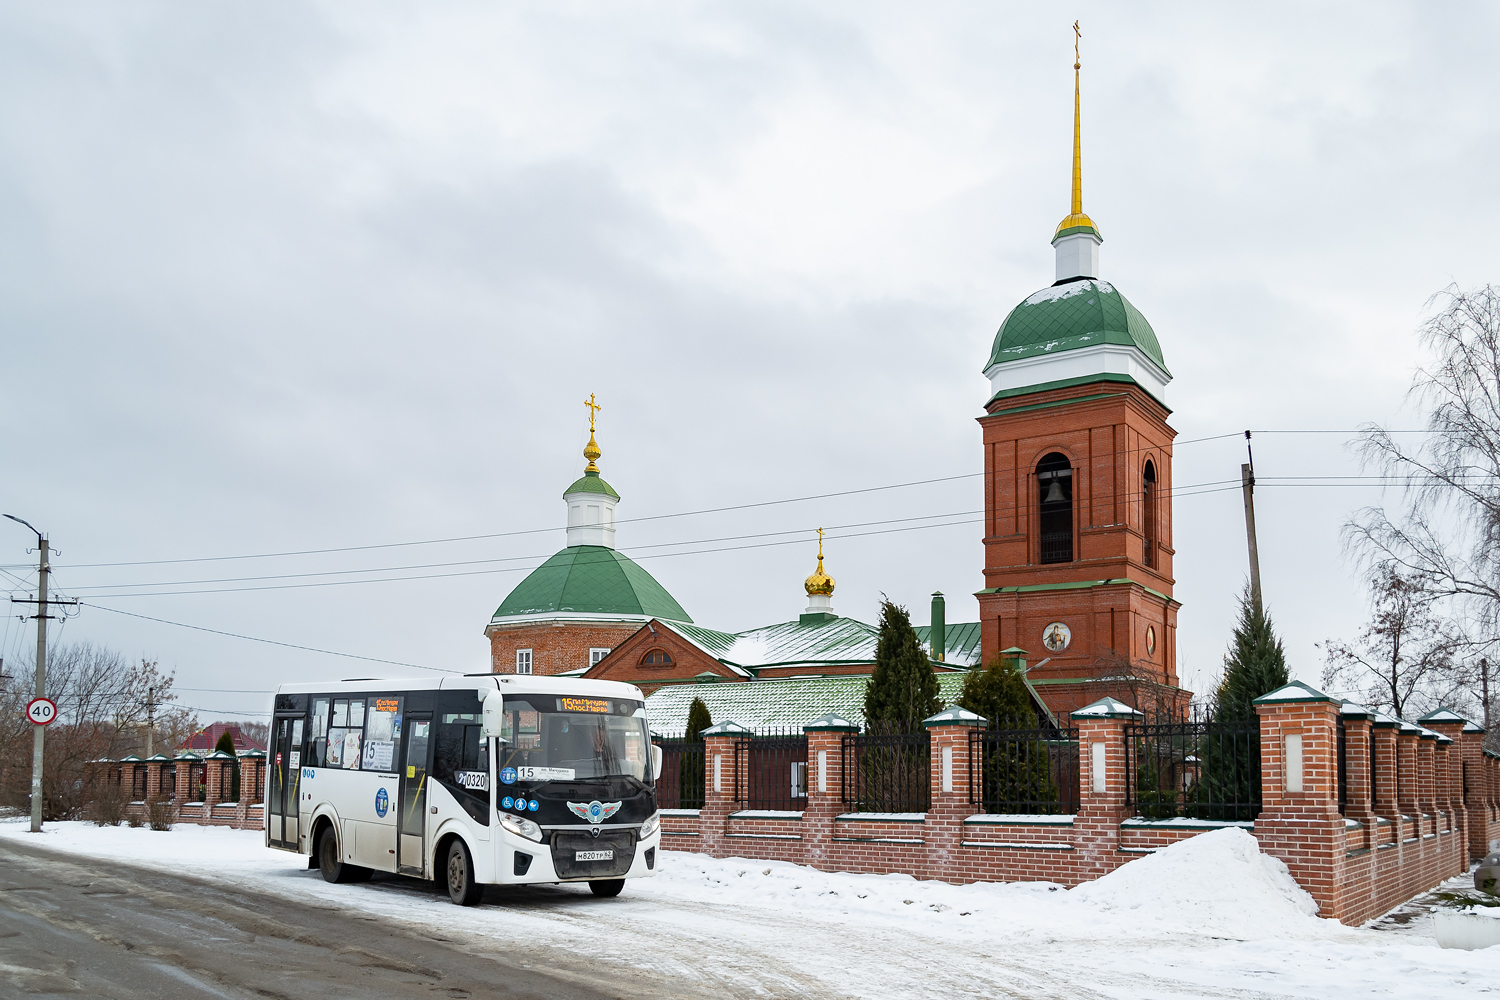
(382, 803)
(508, 776)
(41, 711)
(545, 773)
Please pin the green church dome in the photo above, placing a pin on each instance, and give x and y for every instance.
(591, 580)
(1083, 313)
(592, 482)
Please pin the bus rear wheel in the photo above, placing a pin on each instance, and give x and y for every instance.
(329, 864)
(607, 887)
(462, 888)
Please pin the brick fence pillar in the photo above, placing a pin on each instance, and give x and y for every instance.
(948, 779)
(1358, 790)
(1383, 730)
(1299, 819)
(825, 784)
(1408, 738)
(1102, 785)
(1469, 744)
(1427, 781)
(721, 785)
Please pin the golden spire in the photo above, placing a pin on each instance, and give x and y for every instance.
(1076, 218)
(591, 450)
(820, 582)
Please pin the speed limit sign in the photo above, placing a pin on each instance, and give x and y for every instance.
(41, 711)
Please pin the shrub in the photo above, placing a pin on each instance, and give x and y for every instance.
(161, 813)
(134, 821)
(107, 804)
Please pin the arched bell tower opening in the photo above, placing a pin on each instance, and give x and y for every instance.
(1054, 478)
(1148, 513)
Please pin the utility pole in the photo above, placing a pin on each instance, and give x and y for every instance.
(44, 567)
(150, 720)
(1247, 486)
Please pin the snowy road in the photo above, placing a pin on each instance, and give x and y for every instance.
(1209, 918)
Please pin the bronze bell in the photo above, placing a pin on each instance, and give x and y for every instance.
(1054, 493)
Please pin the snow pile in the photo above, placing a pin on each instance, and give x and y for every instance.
(1218, 883)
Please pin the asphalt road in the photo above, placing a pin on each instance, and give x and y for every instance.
(72, 927)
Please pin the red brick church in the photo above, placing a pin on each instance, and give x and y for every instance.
(1077, 541)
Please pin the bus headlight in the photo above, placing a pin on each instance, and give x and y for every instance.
(521, 827)
(650, 826)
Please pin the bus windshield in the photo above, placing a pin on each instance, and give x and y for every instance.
(552, 738)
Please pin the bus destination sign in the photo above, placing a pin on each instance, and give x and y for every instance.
(597, 705)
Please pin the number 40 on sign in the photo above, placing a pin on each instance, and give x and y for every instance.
(41, 711)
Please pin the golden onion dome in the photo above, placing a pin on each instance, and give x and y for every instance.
(1075, 221)
(820, 583)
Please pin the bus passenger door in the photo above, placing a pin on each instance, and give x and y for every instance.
(413, 832)
(281, 803)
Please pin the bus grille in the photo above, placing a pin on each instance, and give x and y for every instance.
(565, 845)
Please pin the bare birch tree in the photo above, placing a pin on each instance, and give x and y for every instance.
(1442, 542)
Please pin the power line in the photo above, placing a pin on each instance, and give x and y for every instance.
(655, 517)
(272, 642)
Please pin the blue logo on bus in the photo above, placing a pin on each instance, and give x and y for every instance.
(533, 805)
(507, 802)
(508, 775)
(382, 803)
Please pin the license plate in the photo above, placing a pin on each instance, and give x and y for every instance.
(593, 855)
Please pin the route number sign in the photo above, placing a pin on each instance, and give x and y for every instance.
(41, 711)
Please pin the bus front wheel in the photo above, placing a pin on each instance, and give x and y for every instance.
(607, 887)
(462, 888)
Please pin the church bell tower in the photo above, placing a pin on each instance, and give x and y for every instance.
(1078, 485)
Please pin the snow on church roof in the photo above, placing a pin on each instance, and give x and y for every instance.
(773, 704)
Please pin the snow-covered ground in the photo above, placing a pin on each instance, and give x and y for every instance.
(1209, 917)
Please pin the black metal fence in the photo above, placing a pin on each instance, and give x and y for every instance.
(1024, 770)
(681, 783)
(1199, 768)
(771, 771)
(886, 772)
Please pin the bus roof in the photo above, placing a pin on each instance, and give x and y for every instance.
(507, 683)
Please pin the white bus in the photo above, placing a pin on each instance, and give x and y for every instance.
(476, 780)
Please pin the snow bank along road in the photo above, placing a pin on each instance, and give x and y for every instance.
(1210, 917)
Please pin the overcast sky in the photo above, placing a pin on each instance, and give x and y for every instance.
(287, 277)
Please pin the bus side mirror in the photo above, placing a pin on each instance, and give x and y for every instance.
(494, 714)
(655, 762)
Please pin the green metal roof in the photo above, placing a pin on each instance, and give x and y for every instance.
(592, 482)
(774, 704)
(591, 579)
(833, 641)
(1083, 313)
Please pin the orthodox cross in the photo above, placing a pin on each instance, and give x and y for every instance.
(594, 409)
(820, 544)
(1077, 35)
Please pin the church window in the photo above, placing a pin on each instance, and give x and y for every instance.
(1148, 512)
(597, 654)
(657, 658)
(1054, 476)
(523, 661)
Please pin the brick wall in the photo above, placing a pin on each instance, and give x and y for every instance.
(556, 646)
(1357, 864)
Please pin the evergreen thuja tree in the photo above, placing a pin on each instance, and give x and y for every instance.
(691, 777)
(226, 743)
(1230, 750)
(1017, 769)
(902, 690)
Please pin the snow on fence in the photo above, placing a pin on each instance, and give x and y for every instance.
(1366, 811)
